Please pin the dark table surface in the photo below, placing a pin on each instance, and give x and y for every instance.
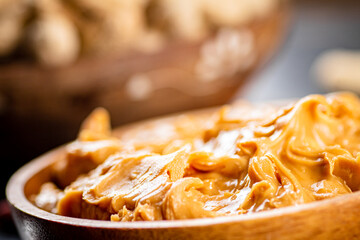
(316, 26)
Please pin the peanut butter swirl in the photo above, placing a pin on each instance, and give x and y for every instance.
(238, 160)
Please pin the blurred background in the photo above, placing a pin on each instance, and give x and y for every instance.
(140, 59)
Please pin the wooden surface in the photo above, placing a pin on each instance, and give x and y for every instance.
(330, 219)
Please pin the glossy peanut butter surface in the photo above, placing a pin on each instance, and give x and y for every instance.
(237, 160)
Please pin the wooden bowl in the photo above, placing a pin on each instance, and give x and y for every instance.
(179, 73)
(336, 218)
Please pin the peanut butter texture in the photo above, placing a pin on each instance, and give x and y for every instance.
(237, 160)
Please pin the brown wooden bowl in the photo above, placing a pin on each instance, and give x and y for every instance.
(176, 78)
(336, 218)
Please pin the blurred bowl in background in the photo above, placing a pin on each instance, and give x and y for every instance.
(43, 107)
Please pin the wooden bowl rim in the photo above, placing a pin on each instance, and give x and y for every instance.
(16, 197)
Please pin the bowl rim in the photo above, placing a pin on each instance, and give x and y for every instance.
(16, 196)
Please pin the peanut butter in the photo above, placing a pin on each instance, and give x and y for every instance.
(238, 160)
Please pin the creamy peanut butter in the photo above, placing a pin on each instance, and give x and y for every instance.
(241, 159)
